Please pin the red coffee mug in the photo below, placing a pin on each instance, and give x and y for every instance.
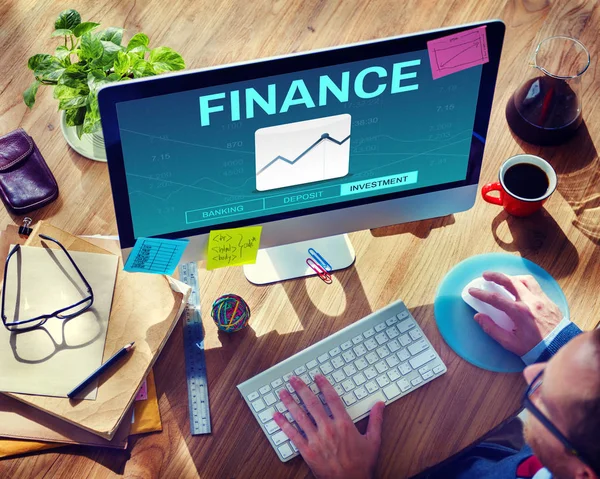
(513, 204)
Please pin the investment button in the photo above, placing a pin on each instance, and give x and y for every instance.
(302, 197)
(374, 184)
(232, 209)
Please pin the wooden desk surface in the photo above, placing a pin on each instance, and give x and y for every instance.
(406, 261)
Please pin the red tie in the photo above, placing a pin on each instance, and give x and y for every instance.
(529, 467)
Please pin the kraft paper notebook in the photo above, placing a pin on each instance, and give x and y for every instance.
(145, 309)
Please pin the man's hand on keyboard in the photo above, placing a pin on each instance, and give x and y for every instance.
(532, 312)
(332, 446)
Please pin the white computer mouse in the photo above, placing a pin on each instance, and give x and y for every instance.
(499, 317)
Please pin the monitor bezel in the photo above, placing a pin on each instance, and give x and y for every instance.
(110, 95)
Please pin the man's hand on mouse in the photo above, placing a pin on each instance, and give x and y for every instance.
(532, 312)
(332, 447)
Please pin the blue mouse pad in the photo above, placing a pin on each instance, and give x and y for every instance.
(455, 320)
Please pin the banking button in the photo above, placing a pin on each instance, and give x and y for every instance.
(302, 197)
(232, 209)
(374, 184)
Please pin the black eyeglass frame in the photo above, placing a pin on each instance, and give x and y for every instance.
(56, 314)
(548, 424)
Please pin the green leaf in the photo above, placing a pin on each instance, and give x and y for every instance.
(64, 92)
(112, 34)
(138, 40)
(122, 64)
(109, 56)
(91, 47)
(95, 80)
(61, 32)
(29, 94)
(61, 53)
(165, 59)
(75, 116)
(67, 19)
(84, 27)
(142, 68)
(91, 124)
(37, 59)
(74, 102)
(49, 69)
(74, 77)
(113, 77)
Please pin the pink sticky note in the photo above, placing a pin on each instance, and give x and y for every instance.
(142, 394)
(458, 52)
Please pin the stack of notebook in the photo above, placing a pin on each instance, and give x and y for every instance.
(144, 309)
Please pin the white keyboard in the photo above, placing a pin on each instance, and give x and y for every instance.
(381, 357)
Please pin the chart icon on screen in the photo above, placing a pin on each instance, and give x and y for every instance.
(302, 152)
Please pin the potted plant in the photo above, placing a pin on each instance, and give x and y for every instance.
(85, 60)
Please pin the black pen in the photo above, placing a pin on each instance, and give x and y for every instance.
(118, 355)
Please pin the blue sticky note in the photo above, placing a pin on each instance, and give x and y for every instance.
(155, 255)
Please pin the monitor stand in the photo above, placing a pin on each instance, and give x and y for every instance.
(289, 261)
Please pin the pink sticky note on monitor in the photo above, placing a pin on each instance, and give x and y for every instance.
(142, 394)
(457, 52)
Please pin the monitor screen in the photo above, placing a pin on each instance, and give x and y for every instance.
(276, 145)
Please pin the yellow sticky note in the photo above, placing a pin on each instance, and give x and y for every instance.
(233, 247)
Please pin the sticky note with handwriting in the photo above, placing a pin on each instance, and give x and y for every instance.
(458, 52)
(233, 247)
(155, 255)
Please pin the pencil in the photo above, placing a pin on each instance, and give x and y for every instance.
(118, 355)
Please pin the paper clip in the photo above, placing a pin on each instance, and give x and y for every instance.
(319, 259)
(321, 273)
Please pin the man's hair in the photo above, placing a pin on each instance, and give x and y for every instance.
(585, 431)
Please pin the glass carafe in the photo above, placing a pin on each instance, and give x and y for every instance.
(546, 108)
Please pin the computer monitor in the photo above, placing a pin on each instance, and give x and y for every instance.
(309, 145)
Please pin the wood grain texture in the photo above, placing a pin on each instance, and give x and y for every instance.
(406, 261)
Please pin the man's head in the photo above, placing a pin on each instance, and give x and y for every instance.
(570, 397)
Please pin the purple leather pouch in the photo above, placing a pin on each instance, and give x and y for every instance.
(26, 182)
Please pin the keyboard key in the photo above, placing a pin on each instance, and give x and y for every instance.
(416, 381)
(348, 385)
(339, 389)
(380, 327)
(313, 373)
(403, 355)
(427, 375)
(322, 358)
(371, 344)
(270, 399)
(357, 339)
(258, 405)
(314, 388)
(296, 398)
(392, 333)
(326, 368)
(285, 451)
(391, 391)
(271, 427)
(311, 364)
(405, 369)
(423, 358)
(416, 334)
(393, 320)
(381, 338)
(279, 438)
(424, 369)
(339, 376)
(383, 352)
(383, 381)
(337, 362)
(300, 370)
(405, 325)
(404, 385)
(287, 376)
(293, 446)
(361, 364)
(393, 346)
(279, 391)
(265, 389)
(417, 347)
(346, 345)
(253, 396)
(392, 361)
(370, 372)
(402, 315)
(360, 350)
(335, 351)
(359, 379)
(329, 378)
(393, 374)
(361, 407)
(306, 379)
(290, 388)
(371, 387)
(348, 356)
(350, 370)
(361, 393)
(404, 339)
(349, 399)
(281, 407)
(381, 367)
(266, 415)
(368, 333)
(438, 369)
(372, 358)
(278, 382)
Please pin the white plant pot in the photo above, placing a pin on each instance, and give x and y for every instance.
(89, 145)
